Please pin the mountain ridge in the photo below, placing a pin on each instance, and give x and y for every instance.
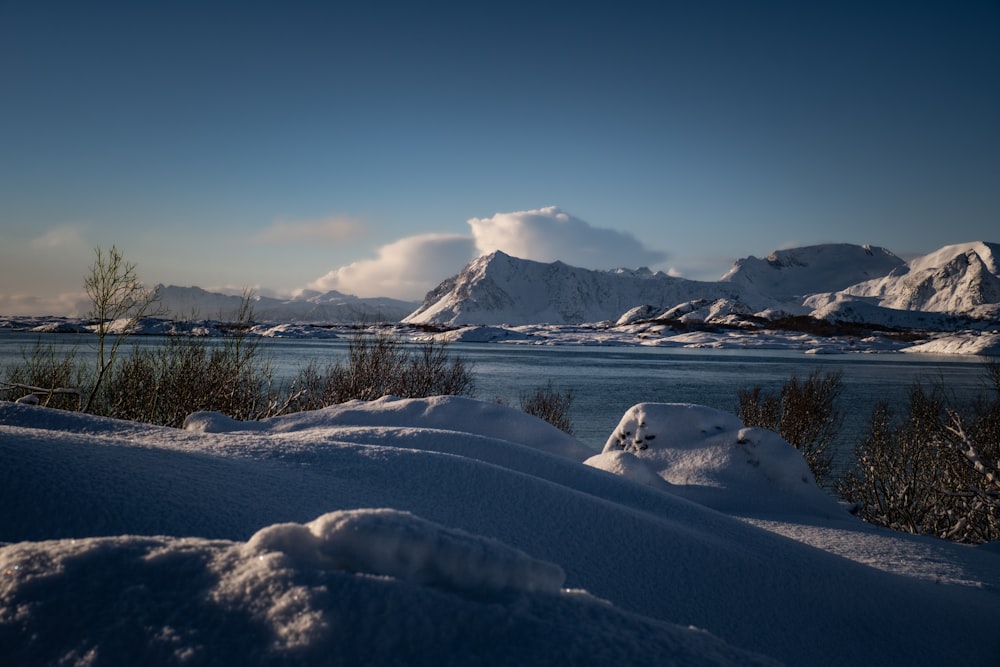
(835, 282)
(845, 282)
(310, 307)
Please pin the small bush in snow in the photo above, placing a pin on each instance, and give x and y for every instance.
(165, 383)
(804, 414)
(380, 365)
(53, 380)
(549, 404)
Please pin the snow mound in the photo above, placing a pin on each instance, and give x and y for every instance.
(401, 545)
(962, 342)
(710, 457)
(629, 466)
(194, 601)
(450, 413)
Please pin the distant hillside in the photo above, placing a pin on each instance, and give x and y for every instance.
(314, 308)
(834, 281)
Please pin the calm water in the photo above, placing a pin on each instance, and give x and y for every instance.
(606, 381)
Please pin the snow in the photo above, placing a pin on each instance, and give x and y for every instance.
(710, 457)
(292, 330)
(965, 282)
(451, 531)
(961, 342)
(398, 544)
(989, 253)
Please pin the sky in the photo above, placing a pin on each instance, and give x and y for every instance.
(375, 148)
(315, 539)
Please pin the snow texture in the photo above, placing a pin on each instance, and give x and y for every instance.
(445, 532)
(398, 544)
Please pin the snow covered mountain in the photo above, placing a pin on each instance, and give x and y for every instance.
(837, 282)
(500, 289)
(956, 279)
(793, 273)
(313, 307)
(831, 281)
(961, 279)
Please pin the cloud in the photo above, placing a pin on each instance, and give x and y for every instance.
(404, 269)
(65, 236)
(334, 228)
(549, 234)
(412, 266)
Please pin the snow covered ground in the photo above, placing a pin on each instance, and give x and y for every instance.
(453, 531)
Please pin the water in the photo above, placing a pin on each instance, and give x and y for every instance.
(606, 381)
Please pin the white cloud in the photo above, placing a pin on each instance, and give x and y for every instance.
(412, 266)
(404, 269)
(334, 228)
(65, 236)
(549, 234)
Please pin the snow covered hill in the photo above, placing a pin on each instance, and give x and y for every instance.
(313, 307)
(836, 282)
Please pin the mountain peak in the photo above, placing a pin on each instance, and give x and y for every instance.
(989, 254)
(798, 272)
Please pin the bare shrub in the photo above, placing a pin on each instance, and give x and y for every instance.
(549, 404)
(55, 381)
(805, 414)
(380, 365)
(165, 383)
(896, 472)
(936, 471)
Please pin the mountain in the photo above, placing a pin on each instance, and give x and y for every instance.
(500, 289)
(957, 280)
(843, 282)
(796, 272)
(836, 282)
(311, 307)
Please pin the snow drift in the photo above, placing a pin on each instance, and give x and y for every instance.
(424, 531)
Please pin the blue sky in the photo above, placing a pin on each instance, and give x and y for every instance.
(376, 147)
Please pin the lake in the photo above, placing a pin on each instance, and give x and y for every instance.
(606, 381)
